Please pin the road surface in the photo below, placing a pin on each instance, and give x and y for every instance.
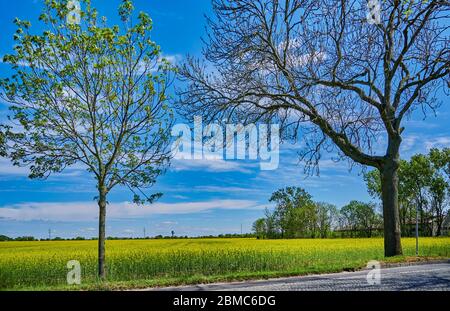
(434, 276)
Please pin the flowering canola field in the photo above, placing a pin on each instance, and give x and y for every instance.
(139, 263)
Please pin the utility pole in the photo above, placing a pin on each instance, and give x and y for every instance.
(144, 232)
(49, 233)
(417, 230)
(241, 229)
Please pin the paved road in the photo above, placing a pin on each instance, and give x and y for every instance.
(415, 277)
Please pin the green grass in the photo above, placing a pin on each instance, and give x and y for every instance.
(145, 263)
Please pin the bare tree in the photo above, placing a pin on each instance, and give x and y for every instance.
(321, 70)
(2, 143)
(93, 95)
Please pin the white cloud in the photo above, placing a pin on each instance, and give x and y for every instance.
(179, 197)
(227, 189)
(169, 223)
(409, 142)
(81, 211)
(20, 63)
(437, 142)
(174, 59)
(6, 168)
(420, 143)
(89, 229)
(217, 165)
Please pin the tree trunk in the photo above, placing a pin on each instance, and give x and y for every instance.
(439, 226)
(391, 217)
(439, 219)
(101, 232)
(402, 212)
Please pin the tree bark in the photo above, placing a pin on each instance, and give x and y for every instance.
(389, 188)
(101, 232)
(439, 219)
(439, 226)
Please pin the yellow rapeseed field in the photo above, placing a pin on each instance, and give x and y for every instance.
(176, 261)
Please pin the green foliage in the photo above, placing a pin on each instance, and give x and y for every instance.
(25, 238)
(360, 217)
(90, 93)
(296, 215)
(5, 238)
(294, 210)
(327, 214)
(424, 182)
(2, 144)
(260, 228)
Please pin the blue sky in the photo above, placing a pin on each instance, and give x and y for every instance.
(200, 197)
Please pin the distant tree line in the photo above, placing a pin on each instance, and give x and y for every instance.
(159, 236)
(21, 238)
(32, 238)
(297, 215)
(423, 184)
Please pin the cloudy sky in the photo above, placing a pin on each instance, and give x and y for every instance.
(200, 197)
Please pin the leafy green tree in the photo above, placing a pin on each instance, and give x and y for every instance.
(441, 160)
(5, 238)
(368, 219)
(2, 144)
(418, 175)
(440, 185)
(361, 218)
(326, 218)
(293, 210)
(271, 224)
(260, 229)
(296, 215)
(90, 94)
(439, 189)
(349, 219)
(303, 221)
(423, 183)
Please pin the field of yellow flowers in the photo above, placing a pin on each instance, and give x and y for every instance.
(141, 263)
